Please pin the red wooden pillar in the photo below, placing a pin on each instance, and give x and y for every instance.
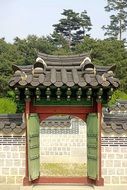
(26, 181)
(100, 180)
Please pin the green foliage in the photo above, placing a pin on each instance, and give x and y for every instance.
(60, 43)
(20, 107)
(7, 106)
(117, 95)
(11, 95)
(118, 19)
(28, 48)
(73, 26)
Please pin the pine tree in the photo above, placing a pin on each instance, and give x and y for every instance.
(85, 26)
(73, 26)
(118, 20)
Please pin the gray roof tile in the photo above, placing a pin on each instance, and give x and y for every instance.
(60, 70)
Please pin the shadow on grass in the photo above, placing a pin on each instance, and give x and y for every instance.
(63, 169)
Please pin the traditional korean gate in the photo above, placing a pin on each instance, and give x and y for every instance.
(70, 85)
(93, 145)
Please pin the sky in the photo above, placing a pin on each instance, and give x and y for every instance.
(23, 17)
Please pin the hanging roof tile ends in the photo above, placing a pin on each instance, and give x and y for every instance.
(115, 118)
(64, 70)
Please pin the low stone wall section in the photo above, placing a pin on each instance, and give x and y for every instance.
(114, 158)
(12, 159)
(61, 145)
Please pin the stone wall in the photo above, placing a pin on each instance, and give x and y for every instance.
(12, 159)
(114, 158)
(67, 144)
(64, 144)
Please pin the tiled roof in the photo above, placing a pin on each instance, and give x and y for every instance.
(11, 123)
(115, 118)
(115, 123)
(64, 70)
(119, 107)
(57, 121)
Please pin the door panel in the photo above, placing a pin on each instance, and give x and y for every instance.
(33, 128)
(92, 146)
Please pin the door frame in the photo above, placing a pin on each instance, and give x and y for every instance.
(78, 111)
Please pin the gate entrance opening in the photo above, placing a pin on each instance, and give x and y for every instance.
(65, 85)
(63, 147)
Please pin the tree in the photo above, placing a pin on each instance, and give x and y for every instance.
(117, 95)
(85, 26)
(58, 41)
(73, 26)
(118, 20)
(107, 52)
(8, 56)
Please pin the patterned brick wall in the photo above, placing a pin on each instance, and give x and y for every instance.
(68, 145)
(12, 159)
(114, 159)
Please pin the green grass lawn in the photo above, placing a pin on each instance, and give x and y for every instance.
(63, 169)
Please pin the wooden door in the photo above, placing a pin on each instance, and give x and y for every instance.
(92, 146)
(33, 128)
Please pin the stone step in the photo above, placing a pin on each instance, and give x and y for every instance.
(71, 187)
(61, 187)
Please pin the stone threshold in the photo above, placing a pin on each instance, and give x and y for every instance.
(63, 187)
